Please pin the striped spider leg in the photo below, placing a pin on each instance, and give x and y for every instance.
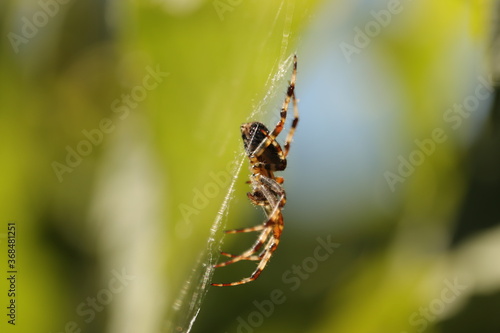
(266, 157)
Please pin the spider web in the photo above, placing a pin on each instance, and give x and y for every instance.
(188, 304)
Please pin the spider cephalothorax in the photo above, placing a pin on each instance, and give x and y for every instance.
(265, 156)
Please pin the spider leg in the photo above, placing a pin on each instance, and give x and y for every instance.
(264, 196)
(261, 148)
(256, 228)
(234, 231)
(273, 191)
(291, 133)
(266, 190)
(273, 245)
(284, 109)
(275, 219)
(264, 257)
(255, 156)
(270, 202)
(256, 200)
(256, 164)
(248, 253)
(255, 257)
(271, 137)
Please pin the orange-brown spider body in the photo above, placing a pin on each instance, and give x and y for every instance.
(266, 157)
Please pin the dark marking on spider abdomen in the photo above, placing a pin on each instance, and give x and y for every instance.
(253, 134)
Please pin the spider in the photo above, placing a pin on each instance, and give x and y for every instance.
(266, 157)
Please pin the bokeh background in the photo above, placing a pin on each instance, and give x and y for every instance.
(122, 164)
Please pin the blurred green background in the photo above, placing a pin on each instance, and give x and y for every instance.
(120, 147)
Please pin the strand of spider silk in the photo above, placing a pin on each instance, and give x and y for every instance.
(271, 84)
(290, 9)
(205, 261)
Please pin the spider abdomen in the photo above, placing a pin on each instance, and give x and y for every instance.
(254, 134)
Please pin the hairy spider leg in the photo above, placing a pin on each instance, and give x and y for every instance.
(274, 224)
(270, 202)
(291, 133)
(257, 164)
(274, 194)
(257, 154)
(259, 227)
(276, 227)
(268, 252)
(279, 180)
(248, 253)
(284, 109)
(290, 93)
